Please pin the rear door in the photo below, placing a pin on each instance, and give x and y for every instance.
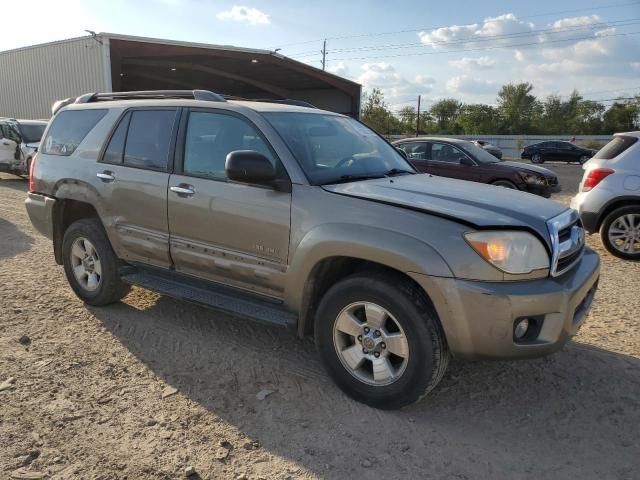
(132, 178)
(232, 233)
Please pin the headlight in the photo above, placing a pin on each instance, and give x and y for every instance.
(533, 179)
(510, 251)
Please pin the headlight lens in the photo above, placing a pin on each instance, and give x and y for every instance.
(533, 179)
(510, 251)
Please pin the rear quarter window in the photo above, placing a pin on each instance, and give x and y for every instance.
(615, 147)
(68, 130)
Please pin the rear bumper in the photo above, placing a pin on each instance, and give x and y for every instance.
(40, 210)
(479, 317)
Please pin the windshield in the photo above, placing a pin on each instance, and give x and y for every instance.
(331, 149)
(479, 154)
(31, 132)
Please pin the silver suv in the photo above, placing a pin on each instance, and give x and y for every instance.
(300, 217)
(609, 195)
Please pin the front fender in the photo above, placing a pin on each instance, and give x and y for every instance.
(400, 252)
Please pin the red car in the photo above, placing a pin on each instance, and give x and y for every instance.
(464, 160)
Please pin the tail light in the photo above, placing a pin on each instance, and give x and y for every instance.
(595, 176)
(32, 169)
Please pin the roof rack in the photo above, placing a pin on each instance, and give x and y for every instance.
(284, 101)
(143, 94)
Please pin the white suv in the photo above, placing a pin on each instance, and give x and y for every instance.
(19, 141)
(609, 195)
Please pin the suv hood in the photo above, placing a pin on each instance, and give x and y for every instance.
(525, 167)
(476, 204)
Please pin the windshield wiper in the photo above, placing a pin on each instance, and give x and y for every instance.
(398, 171)
(351, 178)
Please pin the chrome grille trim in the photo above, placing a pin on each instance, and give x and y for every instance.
(567, 225)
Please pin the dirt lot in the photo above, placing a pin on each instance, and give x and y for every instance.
(151, 386)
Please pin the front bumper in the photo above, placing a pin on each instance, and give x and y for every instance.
(40, 210)
(478, 317)
(544, 191)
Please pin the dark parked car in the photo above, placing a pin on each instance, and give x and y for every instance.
(464, 160)
(489, 147)
(558, 151)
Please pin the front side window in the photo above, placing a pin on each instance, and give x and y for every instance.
(333, 148)
(443, 152)
(212, 136)
(69, 128)
(148, 139)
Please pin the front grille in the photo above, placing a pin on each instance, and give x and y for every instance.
(567, 240)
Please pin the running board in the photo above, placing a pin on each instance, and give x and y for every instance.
(212, 296)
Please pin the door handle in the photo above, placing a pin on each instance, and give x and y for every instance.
(106, 176)
(183, 190)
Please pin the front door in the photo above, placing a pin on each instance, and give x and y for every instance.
(132, 178)
(445, 160)
(8, 144)
(232, 233)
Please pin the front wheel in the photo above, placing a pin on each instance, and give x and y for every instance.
(90, 264)
(583, 159)
(504, 184)
(380, 340)
(620, 232)
(537, 158)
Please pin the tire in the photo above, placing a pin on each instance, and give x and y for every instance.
(537, 158)
(504, 184)
(88, 237)
(583, 159)
(614, 225)
(410, 316)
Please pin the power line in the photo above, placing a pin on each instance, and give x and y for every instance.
(487, 38)
(485, 48)
(375, 34)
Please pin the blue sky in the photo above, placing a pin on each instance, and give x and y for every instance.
(461, 49)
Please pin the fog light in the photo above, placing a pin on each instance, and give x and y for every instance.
(521, 328)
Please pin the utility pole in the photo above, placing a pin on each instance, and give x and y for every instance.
(324, 54)
(418, 118)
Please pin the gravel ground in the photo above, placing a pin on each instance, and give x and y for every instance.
(151, 387)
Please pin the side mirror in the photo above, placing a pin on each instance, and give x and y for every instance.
(467, 162)
(248, 166)
(403, 153)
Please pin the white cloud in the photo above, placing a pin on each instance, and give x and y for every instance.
(575, 21)
(471, 85)
(339, 69)
(519, 55)
(395, 87)
(469, 35)
(239, 13)
(467, 63)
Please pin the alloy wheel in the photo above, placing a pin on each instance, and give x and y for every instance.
(85, 263)
(624, 233)
(370, 343)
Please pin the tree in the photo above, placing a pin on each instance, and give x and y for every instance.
(518, 107)
(478, 119)
(376, 114)
(622, 116)
(445, 112)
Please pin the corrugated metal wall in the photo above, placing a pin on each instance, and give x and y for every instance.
(32, 78)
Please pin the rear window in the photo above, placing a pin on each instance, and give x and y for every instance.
(69, 129)
(615, 147)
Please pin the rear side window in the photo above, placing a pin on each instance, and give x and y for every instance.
(69, 129)
(615, 147)
(148, 139)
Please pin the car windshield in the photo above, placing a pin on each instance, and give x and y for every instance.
(333, 149)
(31, 132)
(479, 154)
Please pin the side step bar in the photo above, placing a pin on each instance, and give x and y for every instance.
(213, 296)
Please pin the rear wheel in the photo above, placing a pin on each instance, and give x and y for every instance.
(505, 184)
(380, 340)
(537, 158)
(90, 264)
(620, 232)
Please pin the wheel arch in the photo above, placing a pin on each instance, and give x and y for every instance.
(614, 204)
(330, 253)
